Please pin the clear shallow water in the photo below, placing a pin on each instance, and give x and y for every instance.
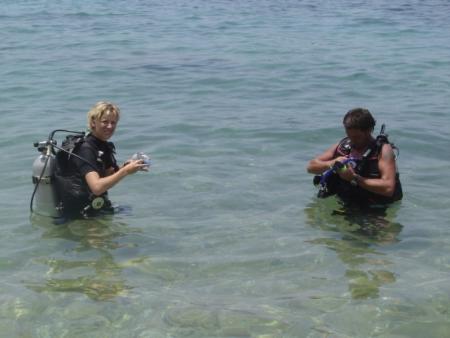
(225, 237)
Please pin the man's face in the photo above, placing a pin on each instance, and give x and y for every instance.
(359, 139)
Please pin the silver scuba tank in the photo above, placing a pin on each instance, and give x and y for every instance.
(45, 201)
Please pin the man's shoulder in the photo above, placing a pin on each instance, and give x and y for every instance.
(387, 152)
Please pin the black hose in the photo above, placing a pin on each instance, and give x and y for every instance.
(50, 136)
(77, 156)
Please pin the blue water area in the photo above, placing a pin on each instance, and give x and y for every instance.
(224, 236)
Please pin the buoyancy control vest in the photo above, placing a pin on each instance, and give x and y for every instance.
(73, 192)
(366, 166)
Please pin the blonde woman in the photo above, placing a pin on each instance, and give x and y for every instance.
(95, 169)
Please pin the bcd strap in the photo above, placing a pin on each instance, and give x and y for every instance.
(43, 180)
(375, 148)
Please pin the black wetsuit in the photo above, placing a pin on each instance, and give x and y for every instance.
(73, 189)
(99, 156)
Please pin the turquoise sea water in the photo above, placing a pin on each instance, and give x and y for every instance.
(225, 237)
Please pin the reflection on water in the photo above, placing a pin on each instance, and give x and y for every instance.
(193, 320)
(360, 232)
(97, 275)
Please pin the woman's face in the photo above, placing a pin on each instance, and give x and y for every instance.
(104, 127)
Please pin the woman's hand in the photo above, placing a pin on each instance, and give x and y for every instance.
(98, 185)
(132, 166)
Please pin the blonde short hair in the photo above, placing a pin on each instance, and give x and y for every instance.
(101, 109)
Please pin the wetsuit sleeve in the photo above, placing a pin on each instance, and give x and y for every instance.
(90, 156)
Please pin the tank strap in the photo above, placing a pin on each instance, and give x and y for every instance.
(43, 180)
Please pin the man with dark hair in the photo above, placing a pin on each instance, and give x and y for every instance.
(360, 169)
(359, 118)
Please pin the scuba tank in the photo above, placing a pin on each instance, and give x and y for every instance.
(45, 200)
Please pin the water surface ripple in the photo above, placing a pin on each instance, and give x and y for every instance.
(225, 237)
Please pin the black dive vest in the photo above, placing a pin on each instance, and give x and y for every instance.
(74, 195)
(367, 167)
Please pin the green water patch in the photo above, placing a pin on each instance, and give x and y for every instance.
(202, 321)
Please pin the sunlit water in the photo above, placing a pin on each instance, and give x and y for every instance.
(224, 237)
